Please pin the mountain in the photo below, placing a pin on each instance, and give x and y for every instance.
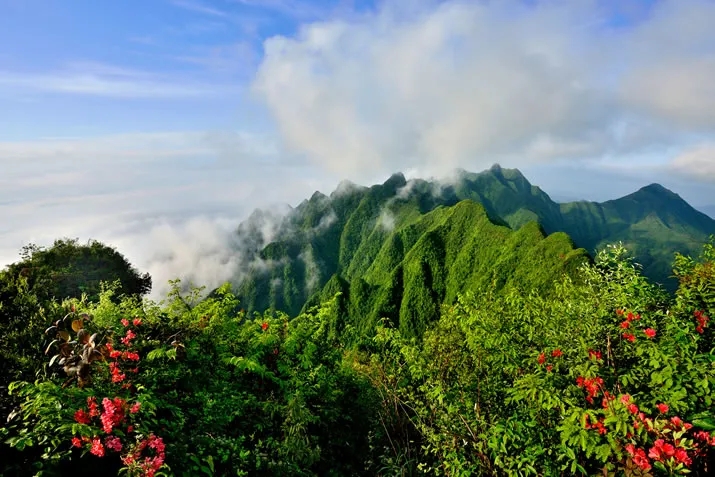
(402, 248)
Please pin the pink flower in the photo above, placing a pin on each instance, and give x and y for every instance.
(135, 408)
(125, 322)
(128, 337)
(663, 408)
(626, 398)
(113, 443)
(76, 442)
(676, 421)
(137, 321)
(97, 447)
(649, 332)
(633, 409)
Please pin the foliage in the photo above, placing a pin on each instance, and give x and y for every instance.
(541, 370)
(31, 294)
(606, 376)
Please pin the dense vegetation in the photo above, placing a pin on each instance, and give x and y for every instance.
(329, 244)
(31, 292)
(606, 373)
(425, 337)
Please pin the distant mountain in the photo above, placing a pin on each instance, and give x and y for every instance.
(400, 249)
(652, 222)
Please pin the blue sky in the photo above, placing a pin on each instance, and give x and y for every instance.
(160, 124)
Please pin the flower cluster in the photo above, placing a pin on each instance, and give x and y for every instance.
(557, 353)
(123, 357)
(147, 464)
(702, 321)
(671, 446)
(592, 386)
(626, 324)
(113, 417)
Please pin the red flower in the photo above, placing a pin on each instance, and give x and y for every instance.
(137, 321)
(594, 354)
(541, 359)
(633, 409)
(677, 422)
(549, 368)
(626, 398)
(76, 442)
(130, 429)
(97, 447)
(82, 417)
(681, 455)
(625, 325)
(639, 457)
(113, 443)
(702, 321)
(264, 326)
(630, 317)
(649, 332)
(135, 407)
(93, 408)
(129, 337)
(125, 322)
(557, 353)
(629, 337)
(663, 408)
(619, 312)
(668, 450)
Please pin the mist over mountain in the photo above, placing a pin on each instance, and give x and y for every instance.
(473, 232)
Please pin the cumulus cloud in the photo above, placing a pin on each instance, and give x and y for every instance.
(436, 85)
(696, 163)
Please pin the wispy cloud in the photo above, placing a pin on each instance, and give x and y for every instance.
(301, 10)
(95, 79)
(199, 7)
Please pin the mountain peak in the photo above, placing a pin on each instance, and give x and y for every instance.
(655, 187)
(654, 192)
(396, 180)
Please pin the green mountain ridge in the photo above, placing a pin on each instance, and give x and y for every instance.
(392, 247)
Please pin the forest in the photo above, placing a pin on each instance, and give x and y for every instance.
(602, 373)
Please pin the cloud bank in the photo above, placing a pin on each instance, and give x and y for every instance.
(436, 85)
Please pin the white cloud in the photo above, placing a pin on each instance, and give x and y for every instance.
(95, 79)
(696, 163)
(171, 202)
(435, 85)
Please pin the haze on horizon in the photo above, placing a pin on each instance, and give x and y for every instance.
(156, 127)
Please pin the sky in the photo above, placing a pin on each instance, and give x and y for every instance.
(156, 126)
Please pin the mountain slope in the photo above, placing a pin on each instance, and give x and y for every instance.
(446, 252)
(388, 250)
